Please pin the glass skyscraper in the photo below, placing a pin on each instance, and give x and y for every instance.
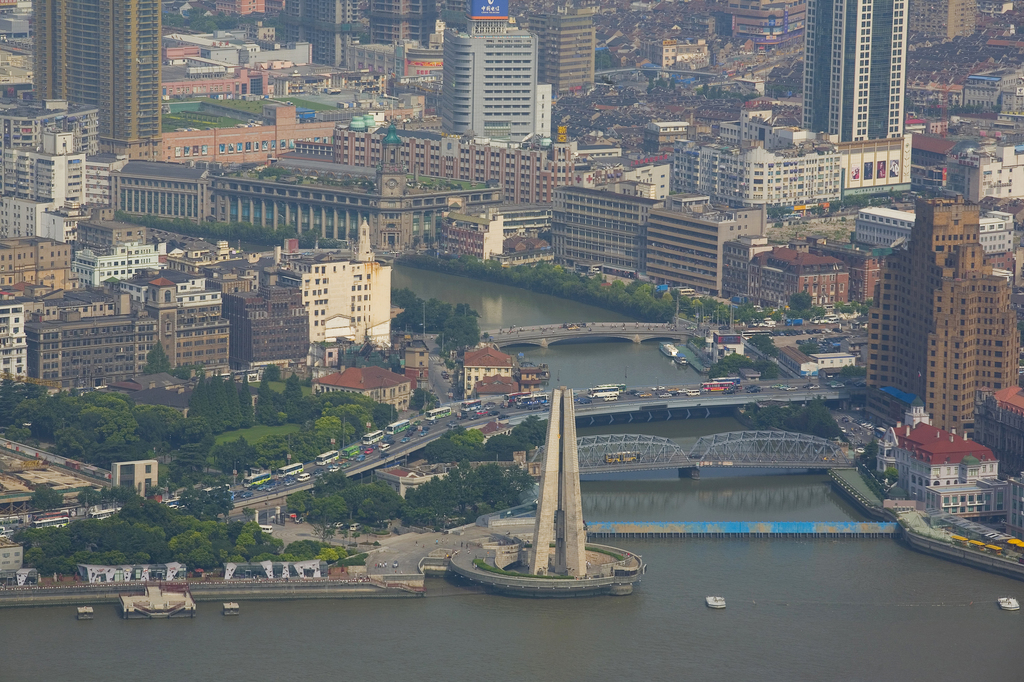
(854, 68)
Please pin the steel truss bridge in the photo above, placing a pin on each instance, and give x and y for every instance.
(761, 449)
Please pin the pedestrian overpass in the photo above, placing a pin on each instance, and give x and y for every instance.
(749, 449)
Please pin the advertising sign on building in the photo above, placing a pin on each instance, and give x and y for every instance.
(488, 9)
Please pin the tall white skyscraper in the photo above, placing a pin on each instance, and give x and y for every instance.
(855, 67)
(490, 78)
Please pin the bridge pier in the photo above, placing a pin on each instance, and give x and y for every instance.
(543, 343)
(689, 472)
(636, 338)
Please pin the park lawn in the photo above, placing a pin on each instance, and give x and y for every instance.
(254, 433)
(279, 387)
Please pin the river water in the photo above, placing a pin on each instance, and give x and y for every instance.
(797, 609)
(577, 365)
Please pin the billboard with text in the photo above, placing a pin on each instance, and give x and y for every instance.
(488, 9)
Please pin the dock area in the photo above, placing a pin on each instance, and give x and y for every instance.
(164, 601)
(742, 529)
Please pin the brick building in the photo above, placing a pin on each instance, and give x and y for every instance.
(778, 274)
(999, 424)
(862, 264)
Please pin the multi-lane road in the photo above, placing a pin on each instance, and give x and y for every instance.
(640, 405)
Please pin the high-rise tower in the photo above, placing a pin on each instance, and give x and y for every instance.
(394, 20)
(559, 507)
(942, 325)
(854, 68)
(566, 48)
(490, 83)
(328, 25)
(107, 55)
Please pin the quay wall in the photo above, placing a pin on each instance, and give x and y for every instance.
(107, 593)
(965, 557)
(742, 529)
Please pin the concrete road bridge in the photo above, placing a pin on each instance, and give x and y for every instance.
(546, 335)
(751, 449)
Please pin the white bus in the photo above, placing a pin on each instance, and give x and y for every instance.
(371, 438)
(51, 521)
(104, 513)
(327, 457)
(290, 469)
(439, 413)
(256, 478)
(397, 427)
(607, 394)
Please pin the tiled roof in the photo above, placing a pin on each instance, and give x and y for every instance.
(486, 357)
(932, 445)
(1011, 398)
(496, 385)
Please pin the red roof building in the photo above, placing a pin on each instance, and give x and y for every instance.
(374, 382)
(481, 364)
(949, 472)
(778, 274)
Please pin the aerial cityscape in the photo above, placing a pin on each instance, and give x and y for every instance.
(676, 337)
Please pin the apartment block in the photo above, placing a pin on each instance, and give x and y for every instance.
(106, 57)
(943, 18)
(565, 47)
(24, 125)
(736, 257)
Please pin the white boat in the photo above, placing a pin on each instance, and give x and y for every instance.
(681, 361)
(1008, 604)
(715, 602)
(669, 350)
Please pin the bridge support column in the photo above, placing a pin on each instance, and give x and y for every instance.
(543, 343)
(689, 472)
(636, 338)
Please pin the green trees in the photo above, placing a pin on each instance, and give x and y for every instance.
(157, 360)
(765, 344)
(853, 371)
(45, 498)
(459, 445)
(813, 418)
(457, 322)
(734, 362)
(465, 493)
(422, 399)
(637, 298)
(800, 302)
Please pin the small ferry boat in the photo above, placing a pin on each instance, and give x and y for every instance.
(669, 350)
(230, 608)
(1008, 604)
(681, 361)
(85, 613)
(715, 602)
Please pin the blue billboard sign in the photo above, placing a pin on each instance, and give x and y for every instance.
(487, 9)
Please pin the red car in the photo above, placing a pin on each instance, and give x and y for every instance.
(367, 451)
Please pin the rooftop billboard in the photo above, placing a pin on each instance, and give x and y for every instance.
(487, 9)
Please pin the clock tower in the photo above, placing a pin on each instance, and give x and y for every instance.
(391, 173)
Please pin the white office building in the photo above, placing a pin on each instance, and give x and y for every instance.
(490, 82)
(124, 261)
(882, 226)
